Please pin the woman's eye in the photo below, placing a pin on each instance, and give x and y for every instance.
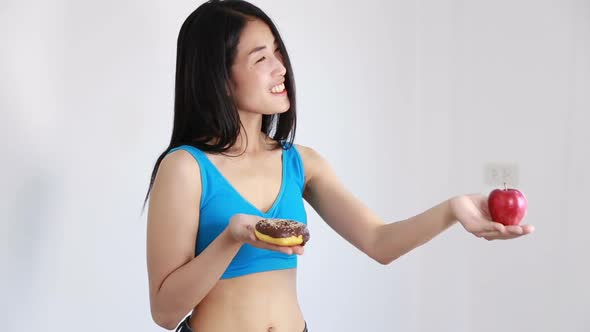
(264, 58)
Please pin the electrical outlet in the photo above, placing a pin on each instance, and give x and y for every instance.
(496, 174)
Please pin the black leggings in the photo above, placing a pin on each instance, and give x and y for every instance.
(183, 327)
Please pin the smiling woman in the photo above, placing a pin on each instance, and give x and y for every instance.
(231, 163)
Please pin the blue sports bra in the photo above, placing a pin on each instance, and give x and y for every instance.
(220, 200)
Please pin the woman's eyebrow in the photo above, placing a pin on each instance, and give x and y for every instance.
(259, 48)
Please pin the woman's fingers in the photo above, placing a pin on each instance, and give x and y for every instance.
(284, 249)
(507, 232)
(487, 227)
(514, 229)
(528, 229)
(298, 250)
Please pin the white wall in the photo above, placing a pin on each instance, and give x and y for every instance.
(408, 100)
(515, 79)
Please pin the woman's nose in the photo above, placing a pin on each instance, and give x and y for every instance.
(280, 69)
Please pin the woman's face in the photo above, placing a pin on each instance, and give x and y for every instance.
(258, 72)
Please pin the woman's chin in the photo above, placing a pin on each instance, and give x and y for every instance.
(277, 110)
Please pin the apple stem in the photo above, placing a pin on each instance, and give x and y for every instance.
(505, 186)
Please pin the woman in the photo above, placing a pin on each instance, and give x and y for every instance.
(231, 161)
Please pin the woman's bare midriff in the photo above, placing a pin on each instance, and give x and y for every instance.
(259, 302)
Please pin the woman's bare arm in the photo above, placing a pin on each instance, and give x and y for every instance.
(178, 280)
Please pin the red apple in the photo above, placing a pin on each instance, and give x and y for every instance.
(507, 206)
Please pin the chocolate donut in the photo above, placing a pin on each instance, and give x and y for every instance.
(282, 232)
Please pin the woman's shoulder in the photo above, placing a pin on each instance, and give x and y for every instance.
(304, 150)
(308, 152)
(313, 161)
(180, 163)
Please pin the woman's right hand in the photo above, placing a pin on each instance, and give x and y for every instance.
(241, 229)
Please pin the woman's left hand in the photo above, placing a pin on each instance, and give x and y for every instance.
(473, 214)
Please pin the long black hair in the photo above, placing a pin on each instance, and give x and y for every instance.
(204, 115)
